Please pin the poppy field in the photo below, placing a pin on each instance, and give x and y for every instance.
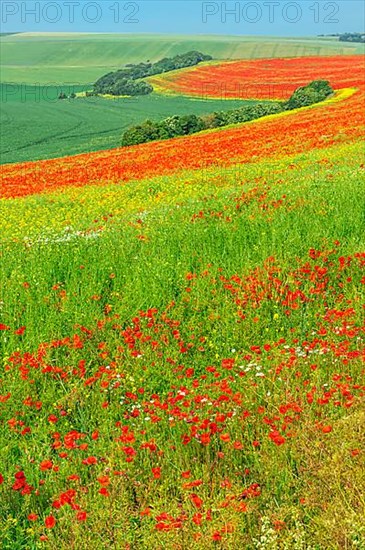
(261, 79)
(182, 337)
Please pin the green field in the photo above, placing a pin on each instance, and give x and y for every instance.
(181, 245)
(36, 125)
(82, 58)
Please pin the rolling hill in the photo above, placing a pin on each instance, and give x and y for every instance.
(81, 58)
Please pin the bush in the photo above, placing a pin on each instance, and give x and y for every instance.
(247, 113)
(131, 88)
(170, 127)
(316, 91)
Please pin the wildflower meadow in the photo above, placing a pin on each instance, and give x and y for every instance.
(182, 330)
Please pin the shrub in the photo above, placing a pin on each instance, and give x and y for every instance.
(170, 127)
(316, 91)
(131, 88)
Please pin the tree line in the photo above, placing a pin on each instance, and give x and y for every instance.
(127, 81)
(182, 125)
(352, 37)
(348, 36)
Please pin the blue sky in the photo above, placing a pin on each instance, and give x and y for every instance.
(246, 17)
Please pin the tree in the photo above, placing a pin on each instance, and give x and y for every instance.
(119, 82)
(316, 91)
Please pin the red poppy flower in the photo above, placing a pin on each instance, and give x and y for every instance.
(156, 472)
(81, 516)
(197, 501)
(46, 465)
(50, 522)
(327, 429)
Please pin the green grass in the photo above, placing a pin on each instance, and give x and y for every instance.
(148, 273)
(215, 243)
(36, 125)
(82, 58)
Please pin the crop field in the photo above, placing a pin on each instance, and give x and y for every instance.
(264, 79)
(76, 59)
(182, 328)
(71, 126)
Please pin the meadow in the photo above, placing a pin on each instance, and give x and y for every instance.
(182, 338)
(188, 373)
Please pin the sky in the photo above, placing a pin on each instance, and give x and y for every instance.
(246, 17)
